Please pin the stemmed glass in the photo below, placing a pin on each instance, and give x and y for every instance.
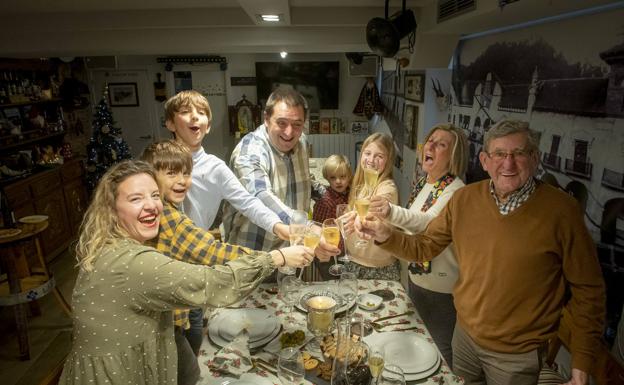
(320, 318)
(289, 291)
(391, 375)
(311, 238)
(348, 283)
(341, 210)
(331, 234)
(290, 369)
(362, 204)
(296, 228)
(376, 362)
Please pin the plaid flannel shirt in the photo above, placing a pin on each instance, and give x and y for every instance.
(180, 239)
(325, 207)
(516, 199)
(281, 181)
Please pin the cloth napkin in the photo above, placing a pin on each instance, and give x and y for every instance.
(233, 359)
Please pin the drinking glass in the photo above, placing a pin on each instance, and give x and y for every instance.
(289, 290)
(376, 362)
(311, 238)
(297, 227)
(348, 283)
(371, 176)
(331, 234)
(341, 210)
(290, 369)
(362, 204)
(320, 318)
(391, 375)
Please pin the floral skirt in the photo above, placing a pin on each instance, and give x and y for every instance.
(391, 272)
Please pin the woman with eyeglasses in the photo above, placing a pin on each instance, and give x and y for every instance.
(444, 159)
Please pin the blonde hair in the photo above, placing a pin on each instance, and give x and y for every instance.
(385, 141)
(100, 225)
(186, 98)
(337, 164)
(459, 155)
(169, 155)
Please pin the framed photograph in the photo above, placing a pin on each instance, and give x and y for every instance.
(325, 126)
(359, 127)
(123, 95)
(415, 87)
(410, 121)
(334, 126)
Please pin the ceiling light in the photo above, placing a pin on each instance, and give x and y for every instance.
(283, 54)
(271, 18)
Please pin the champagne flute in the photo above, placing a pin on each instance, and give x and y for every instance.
(297, 227)
(289, 291)
(311, 238)
(348, 282)
(371, 176)
(362, 204)
(341, 210)
(290, 369)
(376, 362)
(331, 234)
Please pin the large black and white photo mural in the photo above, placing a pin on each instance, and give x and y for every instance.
(566, 79)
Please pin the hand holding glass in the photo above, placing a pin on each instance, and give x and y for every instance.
(341, 210)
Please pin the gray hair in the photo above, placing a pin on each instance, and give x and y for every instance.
(508, 127)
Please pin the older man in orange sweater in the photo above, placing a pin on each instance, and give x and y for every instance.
(519, 245)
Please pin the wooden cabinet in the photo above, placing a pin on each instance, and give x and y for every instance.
(58, 193)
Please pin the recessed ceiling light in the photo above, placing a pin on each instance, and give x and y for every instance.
(271, 18)
(283, 54)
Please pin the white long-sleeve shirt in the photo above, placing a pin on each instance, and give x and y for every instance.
(444, 272)
(213, 182)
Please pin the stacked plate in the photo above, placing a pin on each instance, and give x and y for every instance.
(262, 326)
(415, 355)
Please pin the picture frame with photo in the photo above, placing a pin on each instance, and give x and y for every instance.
(359, 127)
(325, 126)
(123, 95)
(410, 122)
(415, 87)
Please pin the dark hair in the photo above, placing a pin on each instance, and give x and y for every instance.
(289, 96)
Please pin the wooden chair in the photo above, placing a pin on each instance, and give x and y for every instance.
(606, 370)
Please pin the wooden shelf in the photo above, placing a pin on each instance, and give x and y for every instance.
(32, 140)
(41, 101)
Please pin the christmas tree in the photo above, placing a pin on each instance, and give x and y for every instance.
(106, 147)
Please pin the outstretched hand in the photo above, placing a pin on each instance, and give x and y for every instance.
(297, 256)
(372, 227)
(324, 251)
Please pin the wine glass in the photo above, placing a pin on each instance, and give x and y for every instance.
(376, 358)
(348, 282)
(311, 238)
(341, 210)
(289, 291)
(290, 369)
(391, 375)
(331, 234)
(320, 318)
(362, 204)
(371, 176)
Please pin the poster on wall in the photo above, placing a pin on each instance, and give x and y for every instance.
(567, 84)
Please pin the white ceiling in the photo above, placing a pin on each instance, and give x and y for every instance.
(32, 28)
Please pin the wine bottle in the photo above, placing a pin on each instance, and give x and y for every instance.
(8, 217)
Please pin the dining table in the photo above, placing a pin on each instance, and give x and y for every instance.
(266, 296)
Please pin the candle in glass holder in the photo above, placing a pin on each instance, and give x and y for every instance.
(320, 314)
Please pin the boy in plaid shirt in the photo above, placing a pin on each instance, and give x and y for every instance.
(179, 238)
(338, 173)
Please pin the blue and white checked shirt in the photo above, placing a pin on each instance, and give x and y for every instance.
(281, 181)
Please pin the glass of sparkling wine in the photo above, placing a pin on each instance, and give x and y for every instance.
(371, 176)
(376, 362)
(320, 317)
(362, 204)
(290, 369)
(297, 228)
(331, 234)
(343, 209)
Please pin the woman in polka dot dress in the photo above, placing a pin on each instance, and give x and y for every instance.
(125, 292)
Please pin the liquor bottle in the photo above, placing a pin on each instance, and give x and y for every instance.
(8, 217)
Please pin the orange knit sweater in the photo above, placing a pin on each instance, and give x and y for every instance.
(513, 269)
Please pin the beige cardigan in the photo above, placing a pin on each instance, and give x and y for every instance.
(373, 256)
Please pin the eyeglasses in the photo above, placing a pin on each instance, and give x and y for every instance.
(499, 155)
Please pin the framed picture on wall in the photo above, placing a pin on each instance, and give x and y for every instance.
(123, 95)
(410, 122)
(415, 87)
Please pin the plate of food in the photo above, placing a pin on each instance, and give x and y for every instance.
(369, 301)
(32, 219)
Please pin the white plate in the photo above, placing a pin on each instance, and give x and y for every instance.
(33, 219)
(215, 336)
(245, 379)
(7, 233)
(406, 350)
(258, 322)
(425, 374)
(330, 290)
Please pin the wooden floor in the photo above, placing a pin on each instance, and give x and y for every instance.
(49, 333)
